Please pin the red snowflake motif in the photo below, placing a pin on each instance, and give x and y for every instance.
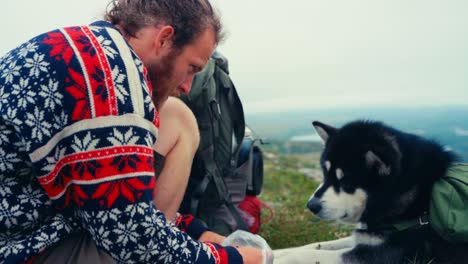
(78, 90)
(183, 221)
(74, 193)
(130, 189)
(61, 49)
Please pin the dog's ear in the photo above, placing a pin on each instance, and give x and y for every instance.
(324, 131)
(372, 160)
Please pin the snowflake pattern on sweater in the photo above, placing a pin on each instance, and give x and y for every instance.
(77, 126)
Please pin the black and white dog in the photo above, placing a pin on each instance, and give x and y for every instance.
(377, 176)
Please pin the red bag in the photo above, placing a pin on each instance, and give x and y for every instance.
(251, 210)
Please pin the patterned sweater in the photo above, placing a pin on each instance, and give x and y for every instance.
(77, 126)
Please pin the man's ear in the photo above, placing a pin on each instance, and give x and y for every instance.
(323, 130)
(163, 39)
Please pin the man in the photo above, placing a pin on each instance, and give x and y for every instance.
(77, 127)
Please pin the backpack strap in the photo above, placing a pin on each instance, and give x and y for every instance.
(207, 155)
(213, 173)
(220, 185)
(226, 87)
(403, 225)
(412, 223)
(236, 214)
(238, 119)
(233, 99)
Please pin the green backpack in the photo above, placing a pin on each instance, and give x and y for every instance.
(223, 166)
(448, 211)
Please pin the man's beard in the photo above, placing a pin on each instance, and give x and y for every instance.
(161, 78)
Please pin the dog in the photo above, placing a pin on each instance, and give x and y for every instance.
(375, 176)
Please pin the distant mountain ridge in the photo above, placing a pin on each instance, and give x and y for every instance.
(446, 125)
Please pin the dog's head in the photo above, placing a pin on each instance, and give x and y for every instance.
(358, 164)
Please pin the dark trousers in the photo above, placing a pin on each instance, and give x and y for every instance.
(77, 249)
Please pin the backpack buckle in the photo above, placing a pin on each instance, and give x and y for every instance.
(424, 219)
(228, 198)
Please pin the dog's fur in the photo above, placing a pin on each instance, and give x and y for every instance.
(375, 175)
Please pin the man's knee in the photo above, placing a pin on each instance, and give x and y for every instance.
(178, 124)
(189, 126)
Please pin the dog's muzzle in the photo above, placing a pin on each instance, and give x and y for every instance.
(314, 205)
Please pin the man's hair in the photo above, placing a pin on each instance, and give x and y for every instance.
(189, 18)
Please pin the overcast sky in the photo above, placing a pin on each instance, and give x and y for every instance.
(297, 54)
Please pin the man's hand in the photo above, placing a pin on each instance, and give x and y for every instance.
(251, 255)
(209, 236)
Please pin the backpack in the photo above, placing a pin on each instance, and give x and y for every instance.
(448, 206)
(448, 209)
(228, 162)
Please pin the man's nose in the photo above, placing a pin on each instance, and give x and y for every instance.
(186, 85)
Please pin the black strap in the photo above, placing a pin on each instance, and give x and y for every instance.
(239, 129)
(221, 189)
(237, 114)
(414, 223)
(198, 194)
(226, 87)
(235, 213)
(213, 173)
(159, 161)
(208, 155)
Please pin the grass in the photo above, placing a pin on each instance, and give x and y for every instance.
(287, 191)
